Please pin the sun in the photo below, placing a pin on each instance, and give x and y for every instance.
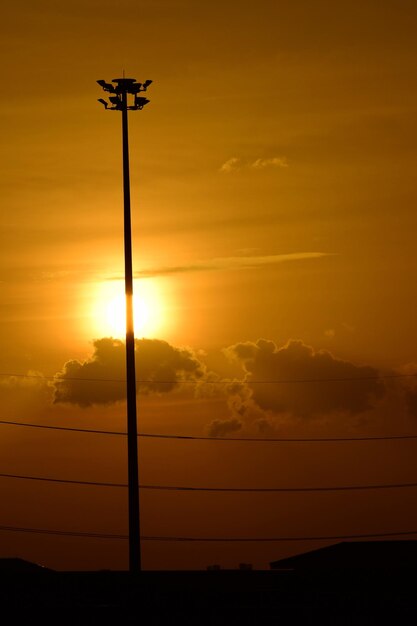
(109, 309)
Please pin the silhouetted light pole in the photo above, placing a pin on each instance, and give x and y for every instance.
(122, 91)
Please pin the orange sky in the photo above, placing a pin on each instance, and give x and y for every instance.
(273, 197)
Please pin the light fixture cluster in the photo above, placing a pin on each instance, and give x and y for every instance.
(119, 92)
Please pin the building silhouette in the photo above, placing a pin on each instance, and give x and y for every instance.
(354, 555)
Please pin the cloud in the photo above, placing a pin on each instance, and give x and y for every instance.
(245, 412)
(219, 428)
(33, 380)
(230, 165)
(346, 388)
(260, 164)
(243, 262)
(100, 378)
(28, 394)
(234, 164)
(409, 387)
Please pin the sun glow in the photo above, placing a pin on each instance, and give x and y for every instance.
(109, 309)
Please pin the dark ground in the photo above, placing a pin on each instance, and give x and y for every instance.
(215, 598)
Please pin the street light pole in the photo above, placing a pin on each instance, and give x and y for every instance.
(119, 101)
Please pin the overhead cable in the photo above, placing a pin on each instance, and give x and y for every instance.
(213, 382)
(92, 535)
(214, 489)
(208, 438)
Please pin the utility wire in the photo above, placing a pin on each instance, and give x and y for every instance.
(68, 533)
(202, 438)
(213, 382)
(216, 489)
(77, 430)
(65, 533)
(66, 481)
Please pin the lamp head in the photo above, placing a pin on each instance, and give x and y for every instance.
(136, 88)
(106, 86)
(140, 102)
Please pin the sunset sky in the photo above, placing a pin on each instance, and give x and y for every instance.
(274, 220)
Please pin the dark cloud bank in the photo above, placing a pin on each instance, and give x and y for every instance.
(327, 386)
(336, 387)
(346, 387)
(100, 379)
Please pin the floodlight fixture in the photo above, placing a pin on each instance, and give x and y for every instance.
(136, 88)
(122, 88)
(116, 100)
(140, 102)
(104, 102)
(106, 86)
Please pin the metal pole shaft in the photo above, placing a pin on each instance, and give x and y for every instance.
(135, 564)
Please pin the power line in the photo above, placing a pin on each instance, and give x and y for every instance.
(215, 489)
(266, 539)
(68, 533)
(66, 481)
(214, 382)
(65, 533)
(76, 430)
(278, 489)
(207, 438)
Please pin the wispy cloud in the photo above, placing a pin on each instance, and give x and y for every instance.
(260, 164)
(230, 165)
(234, 164)
(231, 263)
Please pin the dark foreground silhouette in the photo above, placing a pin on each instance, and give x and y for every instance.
(336, 592)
